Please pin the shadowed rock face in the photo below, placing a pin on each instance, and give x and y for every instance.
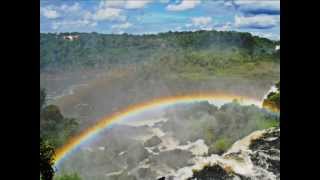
(264, 153)
(212, 172)
(155, 140)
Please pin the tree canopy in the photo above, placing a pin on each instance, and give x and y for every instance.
(54, 131)
(93, 49)
(46, 160)
(53, 125)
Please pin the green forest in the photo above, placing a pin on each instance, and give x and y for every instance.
(186, 53)
(55, 129)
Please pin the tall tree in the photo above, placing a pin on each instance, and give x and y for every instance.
(46, 160)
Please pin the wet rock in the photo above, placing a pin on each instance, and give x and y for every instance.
(123, 176)
(136, 153)
(266, 152)
(144, 173)
(269, 140)
(153, 141)
(174, 158)
(215, 172)
(256, 156)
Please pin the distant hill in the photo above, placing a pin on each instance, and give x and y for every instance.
(180, 50)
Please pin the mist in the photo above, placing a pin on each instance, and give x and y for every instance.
(151, 149)
(159, 142)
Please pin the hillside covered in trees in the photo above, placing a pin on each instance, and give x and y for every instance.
(211, 52)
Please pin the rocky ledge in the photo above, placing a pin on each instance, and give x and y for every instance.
(255, 157)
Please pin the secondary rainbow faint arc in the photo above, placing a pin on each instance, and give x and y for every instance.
(102, 124)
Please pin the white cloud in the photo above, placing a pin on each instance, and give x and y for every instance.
(258, 3)
(67, 24)
(201, 21)
(121, 26)
(184, 5)
(49, 13)
(224, 27)
(228, 3)
(113, 3)
(110, 14)
(268, 35)
(114, 10)
(258, 6)
(188, 25)
(134, 4)
(125, 4)
(72, 8)
(197, 23)
(53, 12)
(258, 22)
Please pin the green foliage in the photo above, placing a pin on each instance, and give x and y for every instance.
(218, 127)
(221, 145)
(52, 112)
(53, 125)
(267, 123)
(46, 160)
(209, 135)
(278, 85)
(273, 98)
(200, 48)
(72, 176)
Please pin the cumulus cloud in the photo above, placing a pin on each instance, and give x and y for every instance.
(268, 35)
(53, 12)
(201, 21)
(228, 3)
(125, 25)
(184, 5)
(72, 8)
(69, 24)
(254, 7)
(256, 22)
(132, 4)
(114, 10)
(109, 14)
(49, 13)
(126, 4)
(258, 3)
(224, 27)
(115, 4)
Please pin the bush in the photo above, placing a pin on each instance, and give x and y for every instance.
(267, 123)
(72, 176)
(46, 160)
(221, 145)
(54, 127)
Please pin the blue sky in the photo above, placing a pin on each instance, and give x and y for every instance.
(259, 17)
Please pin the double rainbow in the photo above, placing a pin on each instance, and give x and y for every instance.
(104, 123)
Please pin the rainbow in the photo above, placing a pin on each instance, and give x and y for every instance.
(76, 141)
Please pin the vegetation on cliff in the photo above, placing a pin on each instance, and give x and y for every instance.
(54, 127)
(273, 99)
(189, 54)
